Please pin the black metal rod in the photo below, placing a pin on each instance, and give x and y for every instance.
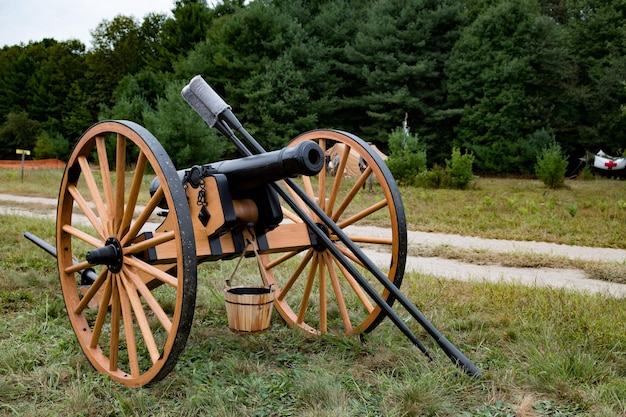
(88, 275)
(41, 243)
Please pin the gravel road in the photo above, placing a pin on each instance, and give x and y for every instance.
(440, 267)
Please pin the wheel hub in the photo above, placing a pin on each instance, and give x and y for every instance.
(318, 245)
(110, 254)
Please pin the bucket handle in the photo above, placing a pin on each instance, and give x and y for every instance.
(259, 264)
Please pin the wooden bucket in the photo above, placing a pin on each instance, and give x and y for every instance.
(249, 309)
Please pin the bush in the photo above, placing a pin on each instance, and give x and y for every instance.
(459, 168)
(51, 146)
(456, 174)
(407, 157)
(436, 177)
(585, 173)
(551, 166)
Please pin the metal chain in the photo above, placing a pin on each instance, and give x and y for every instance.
(202, 195)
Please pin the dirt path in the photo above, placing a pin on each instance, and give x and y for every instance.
(440, 267)
(553, 277)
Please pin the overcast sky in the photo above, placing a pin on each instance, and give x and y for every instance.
(22, 21)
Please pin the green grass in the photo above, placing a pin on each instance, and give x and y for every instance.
(587, 213)
(543, 352)
(36, 183)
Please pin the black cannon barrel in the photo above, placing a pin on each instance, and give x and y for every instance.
(306, 158)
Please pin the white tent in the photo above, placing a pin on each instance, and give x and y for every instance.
(352, 166)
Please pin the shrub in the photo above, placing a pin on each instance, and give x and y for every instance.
(436, 177)
(459, 168)
(51, 146)
(585, 173)
(456, 174)
(551, 166)
(407, 157)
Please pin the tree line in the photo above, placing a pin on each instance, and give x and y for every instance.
(501, 79)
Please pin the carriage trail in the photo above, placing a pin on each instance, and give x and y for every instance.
(440, 267)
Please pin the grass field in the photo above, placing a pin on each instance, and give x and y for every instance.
(543, 352)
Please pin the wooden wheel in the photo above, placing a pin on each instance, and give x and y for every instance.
(132, 318)
(313, 290)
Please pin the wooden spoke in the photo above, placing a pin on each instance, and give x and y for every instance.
(129, 327)
(115, 325)
(102, 314)
(371, 240)
(152, 302)
(362, 214)
(96, 243)
(323, 267)
(282, 258)
(356, 288)
(87, 211)
(321, 178)
(158, 239)
(77, 267)
(296, 274)
(341, 303)
(307, 289)
(350, 255)
(143, 217)
(142, 320)
(94, 192)
(105, 173)
(120, 177)
(345, 156)
(300, 203)
(132, 195)
(337, 184)
(348, 198)
(361, 191)
(91, 292)
(291, 215)
(121, 320)
(164, 277)
(308, 187)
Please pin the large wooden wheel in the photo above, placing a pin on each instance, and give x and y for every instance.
(132, 318)
(313, 290)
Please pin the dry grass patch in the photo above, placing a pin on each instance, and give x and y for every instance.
(604, 271)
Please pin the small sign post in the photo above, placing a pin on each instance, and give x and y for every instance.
(22, 152)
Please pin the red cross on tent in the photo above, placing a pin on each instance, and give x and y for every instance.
(610, 164)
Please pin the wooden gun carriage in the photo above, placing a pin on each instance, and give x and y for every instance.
(128, 250)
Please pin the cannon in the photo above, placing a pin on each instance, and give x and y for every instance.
(128, 249)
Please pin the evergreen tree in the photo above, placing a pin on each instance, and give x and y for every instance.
(183, 134)
(398, 57)
(188, 26)
(118, 50)
(598, 39)
(503, 73)
(18, 132)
